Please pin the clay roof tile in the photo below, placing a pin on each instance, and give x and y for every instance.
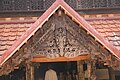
(110, 21)
(12, 38)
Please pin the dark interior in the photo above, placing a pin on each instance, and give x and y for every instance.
(59, 67)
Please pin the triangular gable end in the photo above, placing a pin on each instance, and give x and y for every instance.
(69, 11)
(59, 37)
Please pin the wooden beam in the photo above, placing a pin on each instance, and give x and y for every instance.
(60, 59)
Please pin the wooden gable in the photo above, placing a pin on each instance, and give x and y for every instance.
(59, 32)
(69, 11)
(59, 39)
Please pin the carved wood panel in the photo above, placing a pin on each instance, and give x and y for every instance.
(59, 40)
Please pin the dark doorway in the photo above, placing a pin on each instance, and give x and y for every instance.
(59, 67)
(117, 77)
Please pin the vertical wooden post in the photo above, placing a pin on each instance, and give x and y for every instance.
(78, 71)
(29, 71)
(32, 72)
(91, 68)
(81, 73)
(93, 77)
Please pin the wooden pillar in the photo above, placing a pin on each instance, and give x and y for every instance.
(32, 72)
(29, 71)
(78, 70)
(91, 69)
(81, 73)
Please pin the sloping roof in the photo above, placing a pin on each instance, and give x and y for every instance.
(69, 11)
(109, 28)
(9, 33)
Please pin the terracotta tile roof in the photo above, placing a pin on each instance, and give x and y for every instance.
(109, 28)
(9, 33)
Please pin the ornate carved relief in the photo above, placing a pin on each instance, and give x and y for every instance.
(61, 36)
(59, 40)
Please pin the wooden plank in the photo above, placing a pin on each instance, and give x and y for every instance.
(60, 59)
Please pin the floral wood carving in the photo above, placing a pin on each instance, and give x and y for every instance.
(59, 40)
